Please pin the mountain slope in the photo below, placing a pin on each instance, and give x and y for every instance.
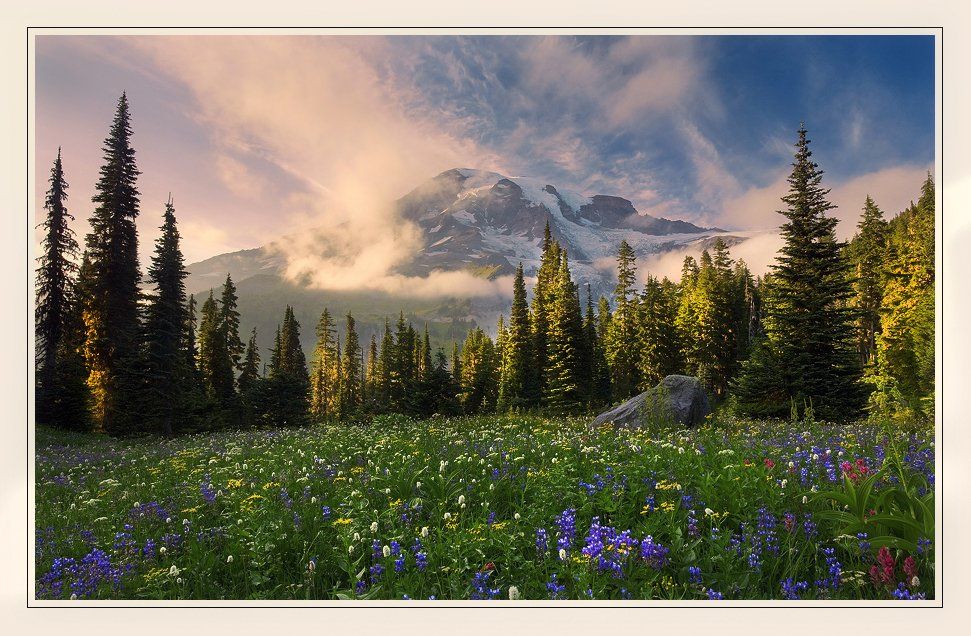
(473, 220)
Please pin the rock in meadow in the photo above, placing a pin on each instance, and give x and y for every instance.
(678, 399)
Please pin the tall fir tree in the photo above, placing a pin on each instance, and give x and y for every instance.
(478, 377)
(599, 369)
(386, 365)
(811, 324)
(284, 399)
(905, 346)
(867, 251)
(351, 391)
(215, 364)
(660, 339)
(112, 328)
(249, 380)
(543, 298)
(61, 396)
(324, 369)
(622, 350)
(564, 392)
(518, 381)
(166, 332)
(229, 318)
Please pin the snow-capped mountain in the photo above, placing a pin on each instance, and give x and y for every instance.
(490, 222)
(481, 222)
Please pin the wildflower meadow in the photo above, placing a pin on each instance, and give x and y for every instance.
(489, 508)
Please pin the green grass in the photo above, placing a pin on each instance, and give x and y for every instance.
(258, 497)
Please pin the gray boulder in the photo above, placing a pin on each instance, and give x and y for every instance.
(678, 399)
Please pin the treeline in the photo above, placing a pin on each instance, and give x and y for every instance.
(832, 326)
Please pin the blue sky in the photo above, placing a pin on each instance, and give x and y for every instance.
(259, 136)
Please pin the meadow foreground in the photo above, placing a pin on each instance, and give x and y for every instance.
(502, 507)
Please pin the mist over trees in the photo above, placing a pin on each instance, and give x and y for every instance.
(835, 330)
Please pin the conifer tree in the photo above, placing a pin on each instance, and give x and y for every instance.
(905, 346)
(61, 390)
(518, 381)
(372, 375)
(112, 328)
(599, 370)
(811, 326)
(440, 390)
(323, 369)
(166, 326)
(403, 375)
(285, 391)
(350, 396)
(660, 338)
(215, 365)
(563, 391)
(622, 350)
(543, 299)
(55, 275)
(867, 251)
(386, 365)
(478, 373)
(249, 380)
(229, 319)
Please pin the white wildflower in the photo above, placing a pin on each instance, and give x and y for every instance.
(350, 549)
(74, 597)
(357, 536)
(386, 551)
(168, 520)
(915, 582)
(516, 516)
(709, 512)
(448, 515)
(461, 499)
(513, 593)
(424, 531)
(374, 526)
(173, 571)
(562, 554)
(162, 550)
(229, 559)
(784, 482)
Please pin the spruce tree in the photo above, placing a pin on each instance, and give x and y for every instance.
(112, 318)
(905, 346)
(55, 275)
(215, 364)
(811, 325)
(61, 396)
(350, 396)
(518, 382)
(386, 365)
(285, 392)
(166, 327)
(478, 373)
(229, 319)
(599, 370)
(543, 298)
(622, 342)
(323, 369)
(249, 380)
(867, 251)
(564, 392)
(660, 339)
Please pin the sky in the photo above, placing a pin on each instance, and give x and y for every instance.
(260, 137)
